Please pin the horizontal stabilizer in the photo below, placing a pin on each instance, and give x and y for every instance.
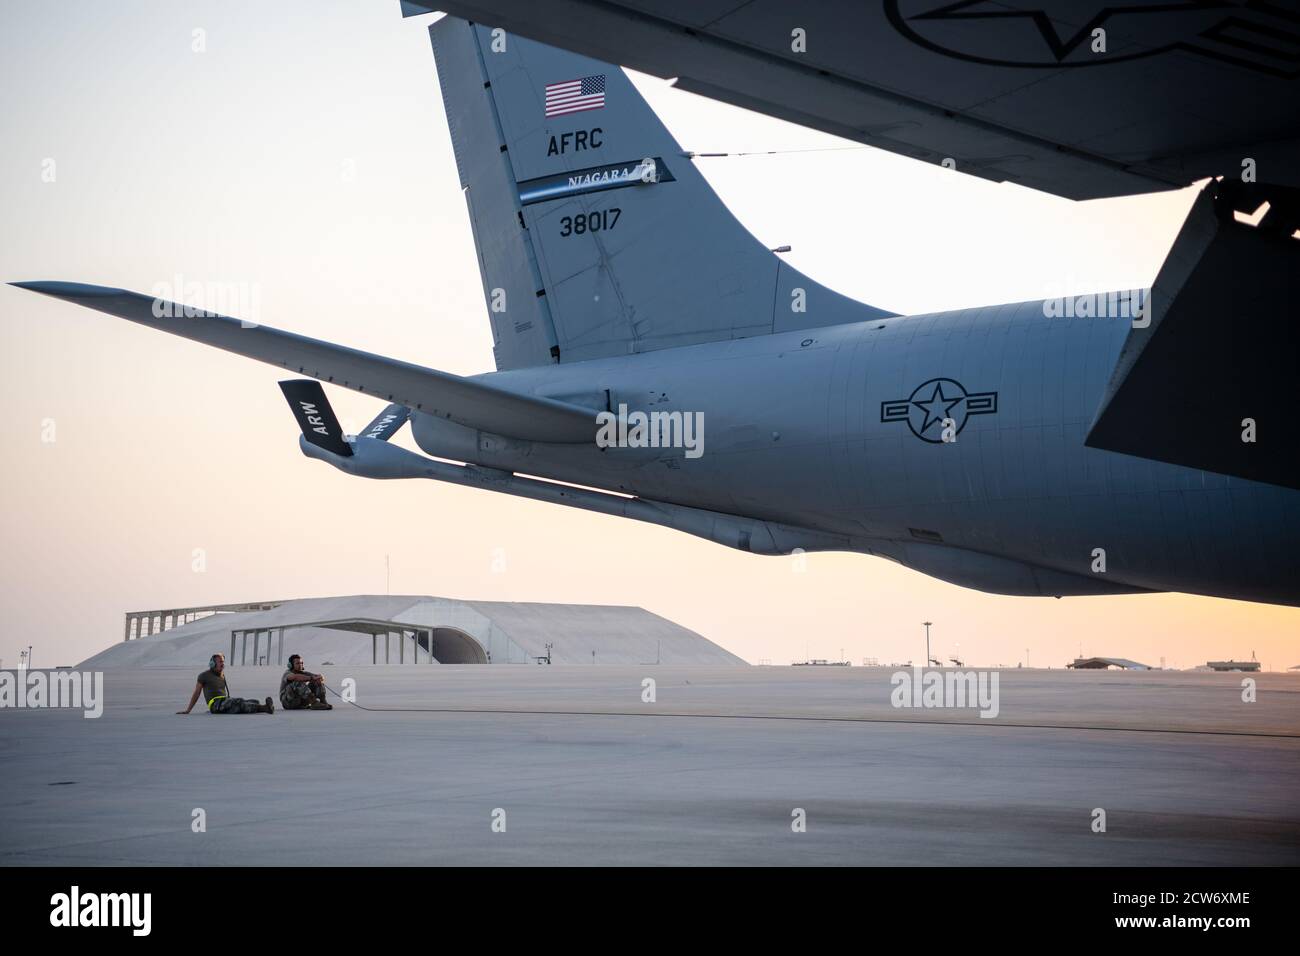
(1210, 382)
(315, 416)
(462, 400)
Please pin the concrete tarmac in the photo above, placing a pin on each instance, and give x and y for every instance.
(582, 771)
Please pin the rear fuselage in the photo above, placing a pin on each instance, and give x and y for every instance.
(841, 430)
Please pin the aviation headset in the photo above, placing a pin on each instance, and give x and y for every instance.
(212, 661)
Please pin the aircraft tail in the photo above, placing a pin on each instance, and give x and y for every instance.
(596, 235)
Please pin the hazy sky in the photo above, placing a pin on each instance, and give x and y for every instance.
(303, 158)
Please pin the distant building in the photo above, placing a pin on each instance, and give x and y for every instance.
(1105, 663)
(406, 629)
(1232, 665)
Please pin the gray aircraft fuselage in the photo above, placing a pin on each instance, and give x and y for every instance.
(836, 430)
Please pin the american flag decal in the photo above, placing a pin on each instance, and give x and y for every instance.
(575, 96)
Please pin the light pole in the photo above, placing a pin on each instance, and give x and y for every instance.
(927, 643)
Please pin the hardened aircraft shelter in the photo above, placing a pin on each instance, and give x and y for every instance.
(405, 629)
